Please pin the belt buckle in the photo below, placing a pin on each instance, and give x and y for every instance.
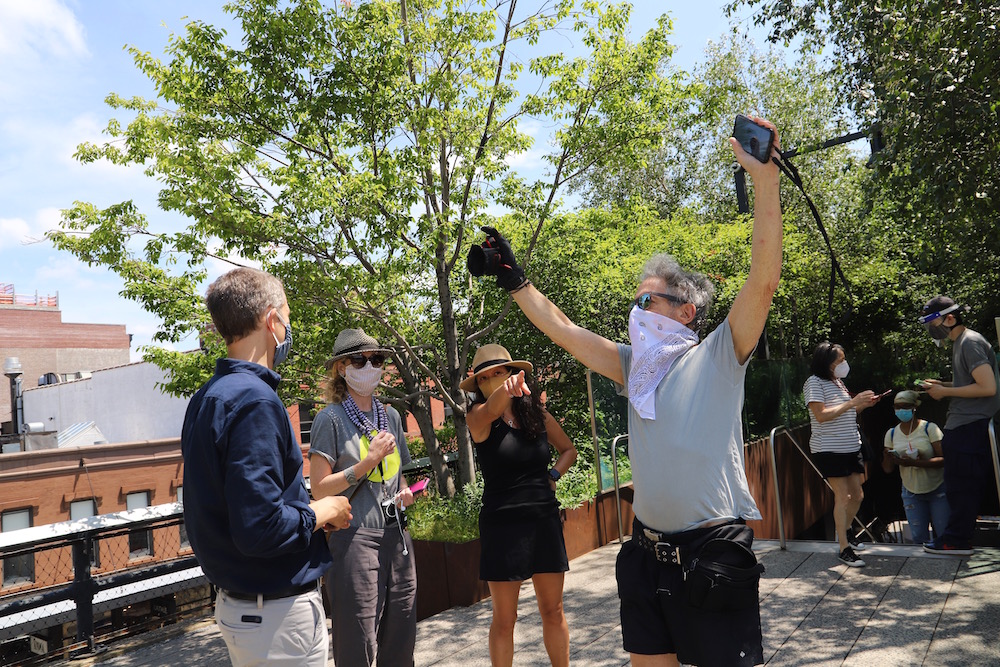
(664, 551)
(667, 553)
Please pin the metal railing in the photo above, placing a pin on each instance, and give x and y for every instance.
(618, 497)
(140, 555)
(996, 455)
(777, 488)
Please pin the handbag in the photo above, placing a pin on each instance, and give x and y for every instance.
(722, 573)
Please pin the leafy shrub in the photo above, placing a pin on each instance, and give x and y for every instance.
(457, 520)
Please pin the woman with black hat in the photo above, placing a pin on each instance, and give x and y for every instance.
(357, 448)
(519, 525)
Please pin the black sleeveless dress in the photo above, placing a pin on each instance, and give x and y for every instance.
(519, 525)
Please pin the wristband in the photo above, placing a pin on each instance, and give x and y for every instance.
(520, 287)
(554, 474)
(349, 475)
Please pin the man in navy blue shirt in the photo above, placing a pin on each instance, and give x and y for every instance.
(255, 533)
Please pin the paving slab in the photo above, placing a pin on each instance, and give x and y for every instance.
(905, 608)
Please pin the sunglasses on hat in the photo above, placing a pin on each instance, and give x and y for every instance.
(359, 360)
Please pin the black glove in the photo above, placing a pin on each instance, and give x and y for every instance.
(495, 258)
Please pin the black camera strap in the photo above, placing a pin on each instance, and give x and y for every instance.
(789, 170)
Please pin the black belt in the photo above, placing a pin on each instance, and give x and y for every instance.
(277, 595)
(664, 551)
(660, 546)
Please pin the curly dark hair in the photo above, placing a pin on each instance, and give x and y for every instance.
(527, 409)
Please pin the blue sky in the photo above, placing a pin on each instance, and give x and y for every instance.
(58, 61)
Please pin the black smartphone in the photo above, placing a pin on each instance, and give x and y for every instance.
(755, 139)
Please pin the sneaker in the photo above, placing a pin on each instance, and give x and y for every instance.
(945, 549)
(855, 543)
(849, 558)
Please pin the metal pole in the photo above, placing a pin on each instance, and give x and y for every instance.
(996, 455)
(618, 496)
(593, 431)
(777, 489)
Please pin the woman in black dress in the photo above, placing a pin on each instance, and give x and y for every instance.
(519, 524)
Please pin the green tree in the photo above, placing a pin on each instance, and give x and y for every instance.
(926, 71)
(353, 150)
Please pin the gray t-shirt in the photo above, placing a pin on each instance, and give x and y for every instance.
(687, 464)
(969, 352)
(335, 437)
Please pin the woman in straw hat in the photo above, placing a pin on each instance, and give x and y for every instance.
(357, 448)
(915, 446)
(519, 524)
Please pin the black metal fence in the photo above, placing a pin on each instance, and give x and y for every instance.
(69, 587)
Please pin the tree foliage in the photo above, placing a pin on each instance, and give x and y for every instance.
(925, 71)
(353, 149)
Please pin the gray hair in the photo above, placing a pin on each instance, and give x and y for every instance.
(237, 299)
(693, 287)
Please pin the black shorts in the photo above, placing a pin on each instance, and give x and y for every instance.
(514, 548)
(836, 464)
(657, 619)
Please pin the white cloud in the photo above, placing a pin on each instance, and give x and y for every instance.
(18, 231)
(31, 29)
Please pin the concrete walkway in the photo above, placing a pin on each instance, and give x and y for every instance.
(904, 608)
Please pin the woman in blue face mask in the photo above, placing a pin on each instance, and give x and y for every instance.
(915, 446)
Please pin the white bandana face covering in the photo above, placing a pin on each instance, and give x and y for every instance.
(657, 341)
(363, 380)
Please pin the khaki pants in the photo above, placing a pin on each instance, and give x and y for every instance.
(289, 631)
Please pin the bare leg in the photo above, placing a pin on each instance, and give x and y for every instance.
(841, 505)
(856, 494)
(555, 632)
(504, 596)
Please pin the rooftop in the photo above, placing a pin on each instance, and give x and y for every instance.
(905, 608)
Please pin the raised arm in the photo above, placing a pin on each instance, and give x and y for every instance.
(750, 308)
(496, 258)
(593, 351)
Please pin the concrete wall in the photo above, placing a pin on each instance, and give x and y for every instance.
(124, 402)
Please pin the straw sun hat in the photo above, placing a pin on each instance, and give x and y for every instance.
(487, 358)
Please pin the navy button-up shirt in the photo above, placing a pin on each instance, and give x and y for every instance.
(245, 503)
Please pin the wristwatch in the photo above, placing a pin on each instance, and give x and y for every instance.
(554, 474)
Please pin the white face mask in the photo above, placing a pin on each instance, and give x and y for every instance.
(364, 380)
(657, 341)
(842, 369)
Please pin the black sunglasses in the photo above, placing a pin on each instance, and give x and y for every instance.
(359, 360)
(645, 300)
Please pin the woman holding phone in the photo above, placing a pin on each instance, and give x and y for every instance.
(519, 525)
(357, 449)
(835, 442)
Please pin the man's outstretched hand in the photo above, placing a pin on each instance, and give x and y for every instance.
(494, 257)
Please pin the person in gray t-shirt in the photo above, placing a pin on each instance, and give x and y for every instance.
(685, 431)
(974, 402)
(358, 449)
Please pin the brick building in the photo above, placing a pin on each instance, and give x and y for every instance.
(31, 328)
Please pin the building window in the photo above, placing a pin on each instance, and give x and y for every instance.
(83, 509)
(183, 528)
(140, 542)
(307, 412)
(17, 569)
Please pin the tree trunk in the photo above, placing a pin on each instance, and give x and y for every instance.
(443, 478)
